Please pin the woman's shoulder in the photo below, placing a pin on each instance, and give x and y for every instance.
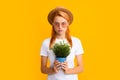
(75, 38)
(46, 41)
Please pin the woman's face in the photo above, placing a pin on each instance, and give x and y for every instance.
(60, 25)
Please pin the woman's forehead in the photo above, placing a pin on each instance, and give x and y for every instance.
(59, 19)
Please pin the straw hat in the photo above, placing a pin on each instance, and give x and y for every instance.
(50, 15)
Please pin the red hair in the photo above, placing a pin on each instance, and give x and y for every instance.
(67, 33)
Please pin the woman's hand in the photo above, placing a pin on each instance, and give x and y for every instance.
(65, 66)
(75, 70)
(57, 66)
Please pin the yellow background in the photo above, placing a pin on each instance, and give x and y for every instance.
(24, 26)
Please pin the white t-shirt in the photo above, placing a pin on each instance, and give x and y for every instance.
(75, 50)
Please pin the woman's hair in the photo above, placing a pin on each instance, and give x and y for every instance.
(67, 33)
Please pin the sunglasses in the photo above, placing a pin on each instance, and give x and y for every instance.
(63, 24)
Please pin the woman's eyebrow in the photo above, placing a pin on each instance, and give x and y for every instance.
(59, 22)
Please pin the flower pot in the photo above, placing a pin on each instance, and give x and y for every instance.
(61, 59)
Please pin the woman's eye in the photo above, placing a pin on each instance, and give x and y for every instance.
(64, 23)
(56, 23)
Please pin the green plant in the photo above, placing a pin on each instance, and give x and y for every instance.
(61, 50)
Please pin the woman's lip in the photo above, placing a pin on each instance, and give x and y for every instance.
(59, 30)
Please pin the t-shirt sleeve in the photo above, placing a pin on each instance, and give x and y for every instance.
(79, 48)
(43, 50)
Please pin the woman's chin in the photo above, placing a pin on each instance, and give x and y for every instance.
(60, 33)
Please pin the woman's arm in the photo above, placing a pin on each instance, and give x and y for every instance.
(45, 69)
(75, 70)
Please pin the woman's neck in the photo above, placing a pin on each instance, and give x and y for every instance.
(60, 37)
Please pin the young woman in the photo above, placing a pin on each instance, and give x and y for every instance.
(60, 19)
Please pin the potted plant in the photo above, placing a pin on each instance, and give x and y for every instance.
(61, 51)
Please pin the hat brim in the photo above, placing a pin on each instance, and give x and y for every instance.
(60, 9)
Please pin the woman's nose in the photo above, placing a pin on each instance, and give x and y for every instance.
(60, 26)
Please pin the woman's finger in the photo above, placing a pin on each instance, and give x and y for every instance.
(57, 66)
(56, 62)
(64, 63)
